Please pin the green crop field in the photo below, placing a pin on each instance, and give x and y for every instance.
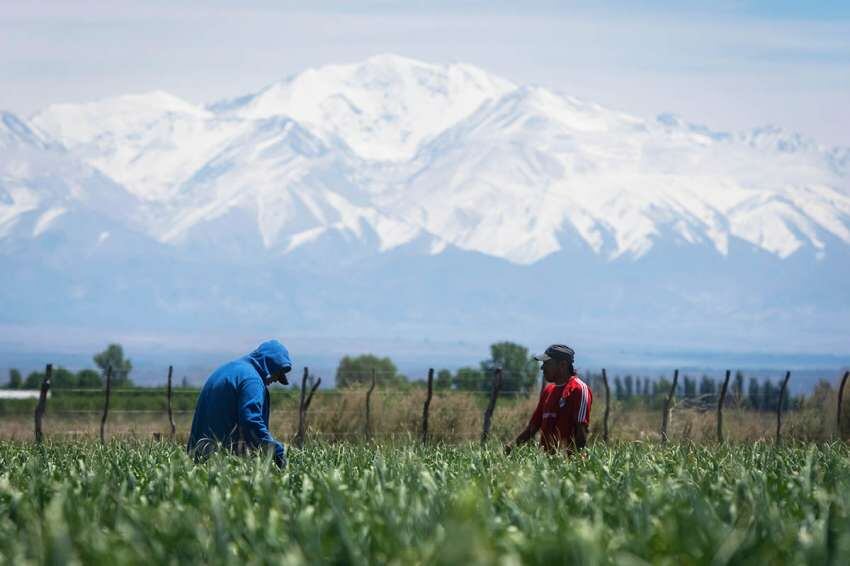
(147, 503)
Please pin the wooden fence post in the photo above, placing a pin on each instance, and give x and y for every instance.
(304, 405)
(368, 407)
(665, 418)
(42, 402)
(309, 400)
(427, 406)
(840, 402)
(720, 402)
(779, 407)
(316, 385)
(299, 436)
(607, 405)
(106, 404)
(170, 411)
(491, 406)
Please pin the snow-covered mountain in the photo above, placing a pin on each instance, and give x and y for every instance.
(394, 164)
(42, 187)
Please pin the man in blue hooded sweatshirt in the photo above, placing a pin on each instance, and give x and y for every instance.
(233, 407)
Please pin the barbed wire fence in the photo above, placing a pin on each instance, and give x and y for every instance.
(643, 397)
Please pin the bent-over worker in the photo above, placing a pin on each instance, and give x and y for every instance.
(233, 407)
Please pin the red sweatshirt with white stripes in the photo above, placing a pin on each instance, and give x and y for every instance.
(560, 409)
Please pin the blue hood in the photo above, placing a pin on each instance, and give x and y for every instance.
(269, 357)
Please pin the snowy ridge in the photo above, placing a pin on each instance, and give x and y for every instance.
(393, 151)
(15, 134)
(383, 108)
(41, 186)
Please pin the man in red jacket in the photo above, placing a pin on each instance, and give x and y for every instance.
(563, 412)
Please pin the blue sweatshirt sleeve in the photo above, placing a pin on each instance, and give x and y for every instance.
(254, 428)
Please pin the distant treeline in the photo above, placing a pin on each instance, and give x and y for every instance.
(749, 393)
(520, 376)
(62, 378)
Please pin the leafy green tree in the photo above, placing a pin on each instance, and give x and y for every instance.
(443, 379)
(33, 380)
(114, 356)
(469, 379)
(519, 369)
(15, 379)
(662, 389)
(770, 395)
(753, 394)
(629, 385)
(690, 388)
(738, 386)
(353, 370)
(822, 394)
(89, 378)
(63, 379)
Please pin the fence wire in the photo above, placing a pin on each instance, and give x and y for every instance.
(644, 393)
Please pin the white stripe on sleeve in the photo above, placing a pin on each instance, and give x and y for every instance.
(582, 409)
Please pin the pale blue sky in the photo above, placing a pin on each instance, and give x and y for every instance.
(729, 64)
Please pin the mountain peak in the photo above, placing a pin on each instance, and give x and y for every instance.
(382, 108)
(141, 104)
(75, 124)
